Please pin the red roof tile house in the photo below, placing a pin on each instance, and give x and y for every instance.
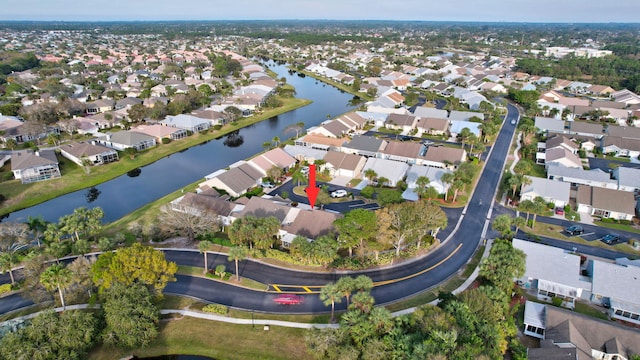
(28, 166)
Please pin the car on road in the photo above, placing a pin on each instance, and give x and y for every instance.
(427, 142)
(611, 239)
(339, 193)
(404, 138)
(268, 185)
(513, 122)
(288, 299)
(574, 230)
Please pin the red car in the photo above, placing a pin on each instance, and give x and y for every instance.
(560, 211)
(288, 299)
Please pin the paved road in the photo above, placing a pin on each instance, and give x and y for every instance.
(417, 274)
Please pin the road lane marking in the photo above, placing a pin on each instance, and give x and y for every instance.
(313, 289)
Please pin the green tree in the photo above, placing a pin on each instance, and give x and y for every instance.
(346, 285)
(330, 294)
(502, 223)
(371, 175)
(130, 315)
(13, 239)
(503, 264)
(204, 246)
(237, 253)
(136, 264)
(356, 227)
(57, 277)
(137, 112)
(422, 184)
(398, 224)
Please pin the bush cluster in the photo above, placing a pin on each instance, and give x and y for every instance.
(216, 309)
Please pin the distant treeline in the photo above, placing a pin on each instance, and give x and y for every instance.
(613, 71)
(15, 61)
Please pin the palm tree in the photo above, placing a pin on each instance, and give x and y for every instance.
(57, 277)
(370, 174)
(237, 253)
(204, 246)
(330, 294)
(276, 140)
(346, 285)
(448, 179)
(422, 184)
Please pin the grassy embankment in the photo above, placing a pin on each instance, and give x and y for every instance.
(20, 196)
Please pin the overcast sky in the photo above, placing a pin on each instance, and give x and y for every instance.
(427, 10)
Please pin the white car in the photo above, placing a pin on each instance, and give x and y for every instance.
(339, 193)
(513, 122)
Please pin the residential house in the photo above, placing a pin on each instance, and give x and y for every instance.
(580, 176)
(127, 139)
(626, 96)
(332, 128)
(364, 145)
(622, 147)
(262, 207)
(28, 166)
(344, 164)
(444, 157)
(352, 120)
(207, 202)
(95, 154)
(405, 151)
(273, 158)
(456, 126)
(560, 141)
(552, 272)
(432, 126)
(605, 203)
(187, 122)
(236, 181)
(628, 179)
(434, 175)
(465, 115)
(320, 142)
(630, 132)
(303, 153)
(404, 123)
(546, 125)
(551, 191)
(585, 129)
(559, 155)
(618, 288)
(309, 224)
(100, 106)
(570, 335)
(11, 128)
(393, 171)
(215, 117)
(430, 112)
(127, 103)
(160, 132)
(600, 90)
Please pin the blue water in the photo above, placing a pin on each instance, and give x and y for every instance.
(124, 194)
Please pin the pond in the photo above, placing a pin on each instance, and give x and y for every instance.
(129, 192)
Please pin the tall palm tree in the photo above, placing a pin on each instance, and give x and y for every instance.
(370, 174)
(237, 253)
(448, 179)
(204, 246)
(57, 277)
(422, 183)
(331, 294)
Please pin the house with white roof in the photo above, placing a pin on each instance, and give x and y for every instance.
(553, 272)
(430, 112)
(628, 179)
(303, 153)
(580, 176)
(617, 286)
(547, 125)
(127, 139)
(393, 171)
(464, 115)
(187, 122)
(457, 125)
(551, 191)
(434, 174)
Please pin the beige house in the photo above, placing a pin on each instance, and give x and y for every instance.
(96, 154)
(28, 166)
(606, 203)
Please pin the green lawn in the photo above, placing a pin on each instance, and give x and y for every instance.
(20, 196)
(218, 340)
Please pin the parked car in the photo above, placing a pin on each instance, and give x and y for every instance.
(268, 185)
(610, 239)
(288, 299)
(559, 211)
(427, 142)
(574, 230)
(304, 170)
(404, 138)
(339, 193)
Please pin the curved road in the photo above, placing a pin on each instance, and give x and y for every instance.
(392, 283)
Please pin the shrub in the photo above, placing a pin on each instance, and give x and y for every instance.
(556, 301)
(216, 309)
(607, 220)
(217, 127)
(5, 288)
(166, 140)
(368, 192)
(284, 194)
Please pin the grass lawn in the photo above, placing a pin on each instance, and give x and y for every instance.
(244, 282)
(615, 226)
(20, 196)
(218, 340)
